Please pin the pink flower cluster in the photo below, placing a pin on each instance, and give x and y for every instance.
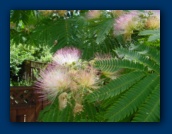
(153, 21)
(65, 77)
(136, 20)
(55, 78)
(126, 23)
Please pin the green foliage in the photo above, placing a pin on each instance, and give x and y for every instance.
(134, 91)
(150, 112)
(51, 113)
(22, 52)
(138, 58)
(90, 36)
(21, 83)
(130, 101)
(110, 65)
(115, 87)
(22, 23)
(24, 15)
(19, 53)
(101, 29)
(152, 36)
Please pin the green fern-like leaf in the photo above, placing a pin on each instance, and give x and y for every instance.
(87, 115)
(129, 102)
(135, 56)
(25, 15)
(115, 87)
(103, 30)
(48, 31)
(112, 65)
(149, 32)
(148, 51)
(51, 113)
(121, 98)
(154, 34)
(150, 110)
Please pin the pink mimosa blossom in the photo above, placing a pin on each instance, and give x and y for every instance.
(52, 81)
(126, 23)
(153, 21)
(87, 78)
(67, 55)
(77, 108)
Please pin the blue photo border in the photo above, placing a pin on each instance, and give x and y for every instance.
(84, 128)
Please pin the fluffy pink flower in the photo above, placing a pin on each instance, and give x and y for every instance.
(51, 82)
(153, 21)
(86, 78)
(67, 55)
(77, 108)
(126, 23)
(93, 14)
